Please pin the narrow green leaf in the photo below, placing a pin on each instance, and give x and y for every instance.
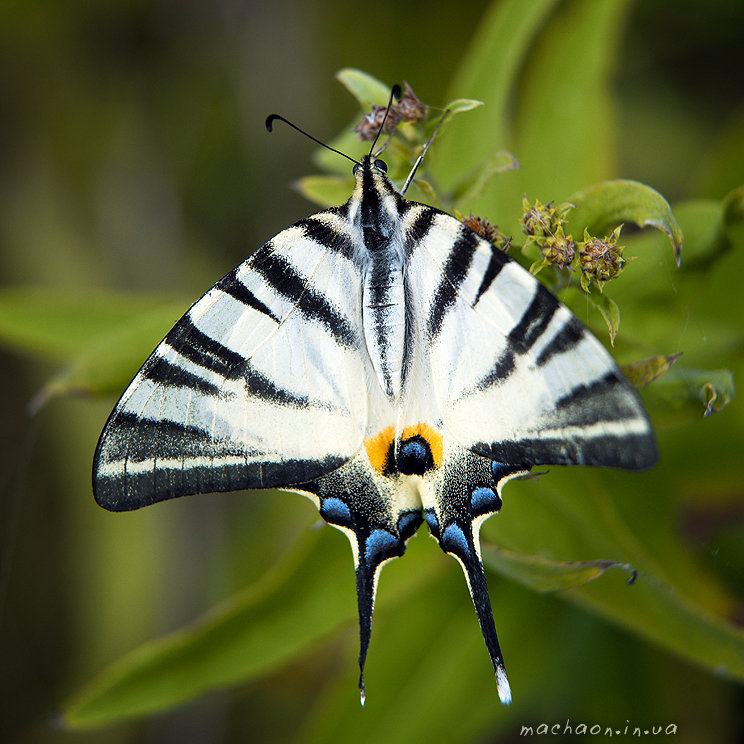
(642, 372)
(684, 395)
(308, 595)
(59, 325)
(609, 311)
(488, 73)
(655, 611)
(462, 104)
(108, 362)
(367, 90)
(571, 514)
(325, 191)
(565, 132)
(544, 574)
(606, 205)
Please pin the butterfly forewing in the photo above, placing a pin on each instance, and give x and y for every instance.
(260, 384)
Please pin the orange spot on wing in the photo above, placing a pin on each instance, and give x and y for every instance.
(378, 448)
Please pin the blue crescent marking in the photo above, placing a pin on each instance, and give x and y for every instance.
(377, 543)
(335, 511)
(455, 537)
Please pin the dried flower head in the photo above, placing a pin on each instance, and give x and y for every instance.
(537, 219)
(600, 259)
(369, 127)
(410, 107)
(486, 229)
(559, 249)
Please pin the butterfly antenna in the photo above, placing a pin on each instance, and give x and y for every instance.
(420, 158)
(395, 93)
(274, 117)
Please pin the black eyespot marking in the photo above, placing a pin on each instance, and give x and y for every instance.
(414, 456)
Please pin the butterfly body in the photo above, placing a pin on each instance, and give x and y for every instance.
(384, 360)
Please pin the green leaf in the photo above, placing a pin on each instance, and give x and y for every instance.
(609, 311)
(544, 574)
(107, 364)
(685, 395)
(655, 611)
(574, 514)
(645, 371)
(610, 203)
(488, 73)
(462, 104)
(325, 191)
(60, 325)
(367, 90)
(306, 596)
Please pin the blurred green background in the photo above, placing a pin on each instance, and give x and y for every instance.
(134, 159)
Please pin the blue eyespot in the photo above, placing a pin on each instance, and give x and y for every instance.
(484, 499)
(334, 510)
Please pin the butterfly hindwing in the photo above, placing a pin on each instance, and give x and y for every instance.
(517, 376)
(258, 385)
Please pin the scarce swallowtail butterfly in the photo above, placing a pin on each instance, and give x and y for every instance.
(384, 360)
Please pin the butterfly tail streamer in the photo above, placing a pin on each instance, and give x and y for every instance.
(464, 548)
(470, 492)
(350, 500)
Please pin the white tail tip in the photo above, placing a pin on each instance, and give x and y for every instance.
(502, 685)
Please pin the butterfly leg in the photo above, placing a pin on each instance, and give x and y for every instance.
(363, 506)
(466, 490)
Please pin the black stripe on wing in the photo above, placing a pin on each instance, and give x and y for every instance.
(231, 285)
(634, 451)
(535, 320)
(129, 442)
(572, 333)
(204, 350)
(322, 232)
(262, 387)
(284, 279)
(165, 373)
(420, 227)
(495, 264)
(453, 275)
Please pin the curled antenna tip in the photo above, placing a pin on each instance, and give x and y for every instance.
(397, 92)
(270, 119)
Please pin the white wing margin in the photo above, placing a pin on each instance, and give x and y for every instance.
(516, 376)
(260, 384)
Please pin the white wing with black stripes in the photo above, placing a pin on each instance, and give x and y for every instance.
(516, 375)
(260, 384)
(388, 363)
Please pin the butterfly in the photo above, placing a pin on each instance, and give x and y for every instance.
(384, 360)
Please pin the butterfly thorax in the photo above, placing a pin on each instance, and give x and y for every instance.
(375, 211)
